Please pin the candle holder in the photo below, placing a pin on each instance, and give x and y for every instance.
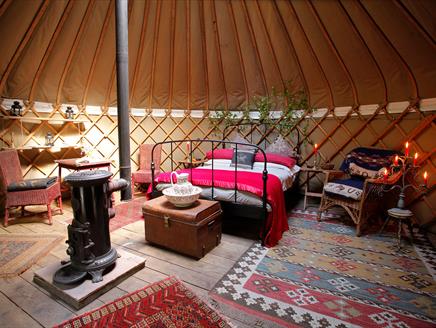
(315, 160)
(404, 166)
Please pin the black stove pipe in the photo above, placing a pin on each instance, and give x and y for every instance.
(122, 35)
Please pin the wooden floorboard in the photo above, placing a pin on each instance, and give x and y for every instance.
(25, 304)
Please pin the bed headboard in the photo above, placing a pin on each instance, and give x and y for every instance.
(257, 133)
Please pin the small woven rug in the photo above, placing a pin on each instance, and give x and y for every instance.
(322, 275)
(167, 303)
(126, 213)
(18, 252)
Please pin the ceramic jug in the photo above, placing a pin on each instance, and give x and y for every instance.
(183, 186)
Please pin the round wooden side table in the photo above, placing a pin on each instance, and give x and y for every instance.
(402, 216)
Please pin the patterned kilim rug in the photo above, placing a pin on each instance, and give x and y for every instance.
(126, 213)
(167, 303)
(322, 275)
(18, 252)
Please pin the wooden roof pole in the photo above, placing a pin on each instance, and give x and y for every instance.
(153, 65)
(47, 53)
(386, 39)
(312, 51)
(238, 47)
(35, 21)
(255, 46)
(172, 38)
(204, 52)
(218, 52)
(335, 52)
(188, 50)
(97, 52)
(74, 46)
(293, 51)
(122, 50)
(140, 50)
(4, 6)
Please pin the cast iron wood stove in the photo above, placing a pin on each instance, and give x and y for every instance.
(89, 245)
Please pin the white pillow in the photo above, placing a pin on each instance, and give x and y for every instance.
(280, 146)
(239, 138)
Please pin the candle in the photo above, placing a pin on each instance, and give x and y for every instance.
(315, 150)
(396, 160)
(425, 178)
(188, 146)
(415, 158)
(385, 174)
(407, 149)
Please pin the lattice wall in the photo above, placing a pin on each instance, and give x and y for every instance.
(336, 131)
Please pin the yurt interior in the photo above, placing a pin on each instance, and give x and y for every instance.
(217, 163)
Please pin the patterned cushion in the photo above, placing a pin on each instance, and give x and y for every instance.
(30, 184)
(355, 169)
(366, 160)
(243, 158)
(348, 188)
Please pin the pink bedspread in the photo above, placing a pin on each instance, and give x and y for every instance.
(276, 222)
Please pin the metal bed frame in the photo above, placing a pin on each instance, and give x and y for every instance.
(233, 207)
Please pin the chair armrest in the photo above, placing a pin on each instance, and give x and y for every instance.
(388, 181)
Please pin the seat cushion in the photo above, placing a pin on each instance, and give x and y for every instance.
(348, 188)
(30, 184)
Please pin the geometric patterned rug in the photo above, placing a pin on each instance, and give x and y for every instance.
(167, 303)
(322, 275)
(126, 213)
(18, 252)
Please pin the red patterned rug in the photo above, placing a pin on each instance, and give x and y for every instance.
(126, 213)
(167, 303)
(322, 275)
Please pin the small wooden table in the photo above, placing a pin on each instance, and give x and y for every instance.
(77, 165)
(195, 162)
(403, 216)
(307, 192)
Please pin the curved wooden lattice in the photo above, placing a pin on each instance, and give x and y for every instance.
(336, 131)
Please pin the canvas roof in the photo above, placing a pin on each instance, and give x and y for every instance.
(220, 54)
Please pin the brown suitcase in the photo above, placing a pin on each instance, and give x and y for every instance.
(193, 230)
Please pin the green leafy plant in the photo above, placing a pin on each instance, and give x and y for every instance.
(292, 104)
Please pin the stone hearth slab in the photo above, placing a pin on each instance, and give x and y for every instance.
(79, 295)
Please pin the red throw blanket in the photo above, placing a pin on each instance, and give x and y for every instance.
(276, 222)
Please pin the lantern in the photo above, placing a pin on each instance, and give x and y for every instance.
(49, 139)
(16, 109)
(69, 112)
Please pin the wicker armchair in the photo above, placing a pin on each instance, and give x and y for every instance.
(355, 186)
(143, 175)
(19, 192)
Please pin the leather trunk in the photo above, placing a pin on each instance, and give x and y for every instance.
(194, 230)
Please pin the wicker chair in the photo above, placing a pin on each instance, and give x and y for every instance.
(143, 175)
(357, 186)
(19, 192)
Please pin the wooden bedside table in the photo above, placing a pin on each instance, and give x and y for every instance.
(195, 162)
(307, 193)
